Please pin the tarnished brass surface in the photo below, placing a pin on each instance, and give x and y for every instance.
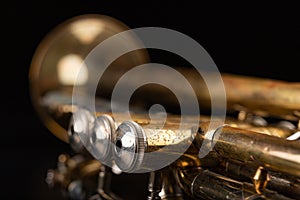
(264, 97)
(285, 184)
(204, 184)
(271, 152)
(250, 157)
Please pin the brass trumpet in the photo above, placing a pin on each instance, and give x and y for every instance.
(253, 154)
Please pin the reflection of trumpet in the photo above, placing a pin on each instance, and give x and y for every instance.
(262, 118)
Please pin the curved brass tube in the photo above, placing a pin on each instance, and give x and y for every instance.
(204, 184)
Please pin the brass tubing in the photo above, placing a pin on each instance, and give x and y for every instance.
(282, 183)
(209, 185)
(267, 97)
(244, 145)
(204, 184)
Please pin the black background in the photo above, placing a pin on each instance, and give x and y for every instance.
(257, 40)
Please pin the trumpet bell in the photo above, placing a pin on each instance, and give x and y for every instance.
(59, 58)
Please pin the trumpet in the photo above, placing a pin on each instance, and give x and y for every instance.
(252, 153)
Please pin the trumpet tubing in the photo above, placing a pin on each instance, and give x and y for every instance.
(253, 153)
